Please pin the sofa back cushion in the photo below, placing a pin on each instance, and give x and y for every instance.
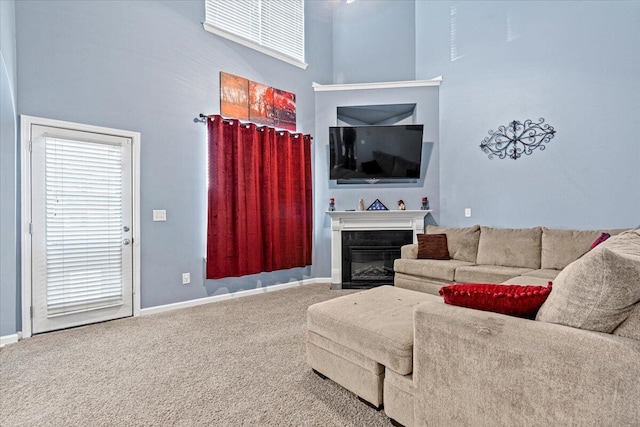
(561, 247)
(462, 241)
(598, 291)
(510, 247)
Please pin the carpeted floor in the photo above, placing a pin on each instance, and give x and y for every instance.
(232, 363)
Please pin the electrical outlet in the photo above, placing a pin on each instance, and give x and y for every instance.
(467, 212)
(159, 215)
(186, 278)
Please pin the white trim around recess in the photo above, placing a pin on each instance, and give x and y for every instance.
(317, 87)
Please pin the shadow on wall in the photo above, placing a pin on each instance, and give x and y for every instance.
(229, 285)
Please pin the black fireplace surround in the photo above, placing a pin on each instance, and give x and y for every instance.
(367, 256)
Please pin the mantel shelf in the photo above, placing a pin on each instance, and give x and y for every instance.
(378, 214)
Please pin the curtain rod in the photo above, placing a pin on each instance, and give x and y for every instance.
(203, 119)
(200, 119)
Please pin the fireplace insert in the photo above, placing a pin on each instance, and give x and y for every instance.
(367, 256)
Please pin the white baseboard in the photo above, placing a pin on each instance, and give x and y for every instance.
(10, 339)
(239, 294)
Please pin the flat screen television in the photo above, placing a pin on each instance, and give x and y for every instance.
(372, 153)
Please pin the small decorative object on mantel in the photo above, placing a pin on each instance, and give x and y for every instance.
(517, 138)
(332, 205)
(377, 206)
(425, 204)
(361, 204)
(401, 205)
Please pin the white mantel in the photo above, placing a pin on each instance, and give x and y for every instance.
(369, 221)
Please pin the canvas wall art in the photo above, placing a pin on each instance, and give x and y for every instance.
(284, 109)
(234, 96)
(260, 103)
(244, 99)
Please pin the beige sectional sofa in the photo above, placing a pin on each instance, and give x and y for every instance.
(527, 256)
(428, 363)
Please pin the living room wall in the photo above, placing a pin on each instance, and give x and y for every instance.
(8, 193)
(575, 64)
(151, 67)
(374, 41)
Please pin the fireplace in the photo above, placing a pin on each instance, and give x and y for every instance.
(353, 223)
(367, 256)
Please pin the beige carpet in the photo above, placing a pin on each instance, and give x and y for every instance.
(232, 363)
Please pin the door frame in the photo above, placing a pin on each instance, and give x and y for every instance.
(25, 235)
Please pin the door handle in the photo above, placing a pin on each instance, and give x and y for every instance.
(126, 242)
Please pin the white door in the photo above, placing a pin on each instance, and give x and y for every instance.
(81, 236)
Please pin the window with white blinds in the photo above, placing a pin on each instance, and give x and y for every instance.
(274, 27)
(83, 225)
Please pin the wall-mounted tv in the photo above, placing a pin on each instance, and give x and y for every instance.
(372, 153)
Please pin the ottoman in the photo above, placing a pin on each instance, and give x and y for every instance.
(354, 338)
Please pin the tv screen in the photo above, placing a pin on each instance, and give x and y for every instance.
(375, 152)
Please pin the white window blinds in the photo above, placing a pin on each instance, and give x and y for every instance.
(275, 27)
(83, 208)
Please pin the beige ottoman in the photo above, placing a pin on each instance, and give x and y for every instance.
(353, 338)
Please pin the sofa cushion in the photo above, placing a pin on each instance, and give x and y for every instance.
(409, 251)
(545, 273)
(598, 291)
(513, 300)
(433, 246)
(433, 268)
(487, 273)
(510, 247)
(562, 247)
(630, 328)
(462, 242)
(377, 323)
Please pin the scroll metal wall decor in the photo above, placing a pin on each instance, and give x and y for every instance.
(517, 138)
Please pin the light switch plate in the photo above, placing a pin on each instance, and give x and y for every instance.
(467, 212)
(186, 278)
(159, 215)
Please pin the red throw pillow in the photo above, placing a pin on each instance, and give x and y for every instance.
(601, 238)
(433, 246)
(514, 300)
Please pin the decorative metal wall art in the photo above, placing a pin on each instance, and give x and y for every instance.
(517, 138)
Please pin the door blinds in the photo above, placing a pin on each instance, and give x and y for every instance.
(83, 208)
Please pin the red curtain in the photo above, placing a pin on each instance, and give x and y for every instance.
(259, 204)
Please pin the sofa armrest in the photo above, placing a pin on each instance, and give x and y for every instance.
(474, 367)
(409, 251)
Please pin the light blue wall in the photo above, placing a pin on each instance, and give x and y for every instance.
(347, 195)
(577, 65)
(9, 300)
(374, 41)
(150, 67)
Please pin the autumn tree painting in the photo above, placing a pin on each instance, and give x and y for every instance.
(244, 99)
(260, 103)
(284, 109)
(234, 96)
